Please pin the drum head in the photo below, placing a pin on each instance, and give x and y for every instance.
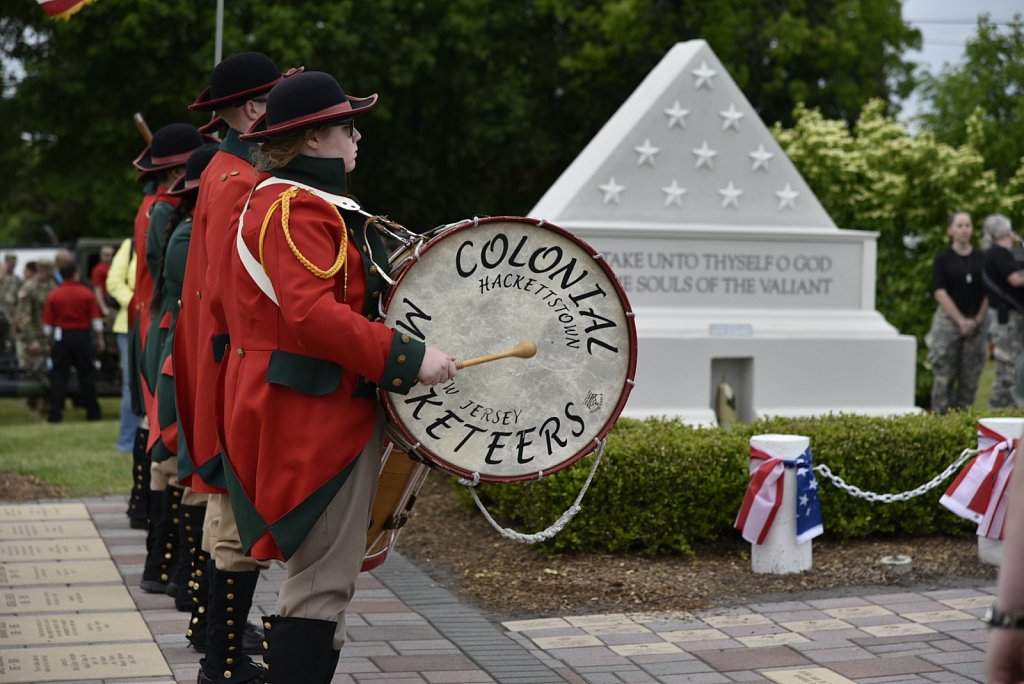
(482, 287)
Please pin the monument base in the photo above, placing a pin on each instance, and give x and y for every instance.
(777, 364)
(729, 307)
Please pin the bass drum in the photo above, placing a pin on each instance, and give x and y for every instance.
(480, 287)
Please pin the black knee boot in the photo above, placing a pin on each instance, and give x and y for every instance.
(331, 666)
(161, 556)
(138, 499)
(190, 537)
(155, 502)
(299, 650)
(199, 592)
(230, 600)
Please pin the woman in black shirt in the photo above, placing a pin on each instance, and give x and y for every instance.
(956, 340)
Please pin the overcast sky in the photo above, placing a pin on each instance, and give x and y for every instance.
(945, 26)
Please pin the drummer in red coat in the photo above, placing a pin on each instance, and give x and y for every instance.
(237, 94)
(139, 498)
(302, 423)
(165, 159)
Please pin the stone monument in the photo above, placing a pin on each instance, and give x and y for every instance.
(737, 274)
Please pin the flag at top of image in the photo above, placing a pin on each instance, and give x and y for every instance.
(62, 9)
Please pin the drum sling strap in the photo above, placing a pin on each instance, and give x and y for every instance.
(252, 266)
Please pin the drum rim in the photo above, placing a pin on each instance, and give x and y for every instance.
(412, 444)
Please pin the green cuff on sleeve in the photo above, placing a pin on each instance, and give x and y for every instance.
(403, 363)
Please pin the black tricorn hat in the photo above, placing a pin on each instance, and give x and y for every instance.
(197, 162)
(239, 78)
(304, 101)
(170, 147)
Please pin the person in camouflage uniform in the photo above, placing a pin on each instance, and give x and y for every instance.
(10, 283)
(956, 339)
(33, 347)
(1004, 278)
(28, 275)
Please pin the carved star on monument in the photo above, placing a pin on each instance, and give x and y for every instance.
(688, 121)
(730, 195)
(731, 118)
(705, 156)
(787, 197)
(704, 75)
(646, 153)
(611, 191)
(676, 115)
(674, 194)
(761, 158)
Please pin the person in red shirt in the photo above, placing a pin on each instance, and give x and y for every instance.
(70, 317)
(98, 276)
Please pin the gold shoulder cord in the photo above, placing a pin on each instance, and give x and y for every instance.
(284, 202)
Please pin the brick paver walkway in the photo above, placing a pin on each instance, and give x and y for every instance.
(403, 628)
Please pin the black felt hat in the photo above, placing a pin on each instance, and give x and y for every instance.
(197, 162)
(306, 100)
(171, 146)
(239, 78)
(212, 126)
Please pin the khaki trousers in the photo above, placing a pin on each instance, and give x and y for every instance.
(193, 498)
(221, 539)
(322, 573)
(163, 474)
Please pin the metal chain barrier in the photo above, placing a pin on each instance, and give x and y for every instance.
(903, 496)
(557, 526)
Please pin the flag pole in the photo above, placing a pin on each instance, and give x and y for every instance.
(218, 46)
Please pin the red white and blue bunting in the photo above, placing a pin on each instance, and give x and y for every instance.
(764, 495)
(980, 491)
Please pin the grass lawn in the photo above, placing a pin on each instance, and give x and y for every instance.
(988, 373)
(76, 455)
(81, 458)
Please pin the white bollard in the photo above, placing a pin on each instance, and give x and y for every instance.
(780, 554)
(990, 551)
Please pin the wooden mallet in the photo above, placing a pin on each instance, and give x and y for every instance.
(523, 350)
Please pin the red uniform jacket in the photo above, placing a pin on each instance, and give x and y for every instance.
(199, 339)
(141, 227)
(299, 403)
(138, 312)
(143, 278)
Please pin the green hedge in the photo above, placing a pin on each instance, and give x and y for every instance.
(664, 487)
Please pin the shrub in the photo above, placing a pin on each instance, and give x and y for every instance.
(664, 487)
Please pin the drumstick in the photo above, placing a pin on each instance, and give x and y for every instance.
(523, 350)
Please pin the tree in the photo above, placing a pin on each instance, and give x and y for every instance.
(876, 176)
(83, 80)
(832, 55)
(479, 113)
(986, 88)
